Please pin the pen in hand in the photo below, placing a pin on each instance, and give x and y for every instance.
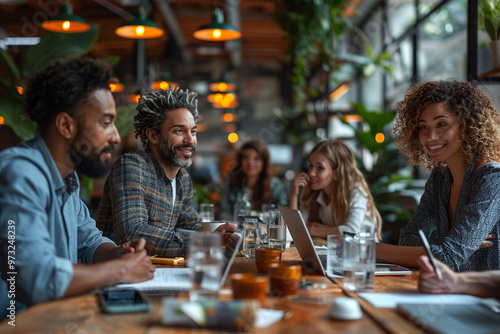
(429, 254)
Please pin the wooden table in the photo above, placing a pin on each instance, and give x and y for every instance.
(83, 315)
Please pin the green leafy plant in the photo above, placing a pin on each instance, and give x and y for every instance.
(310, 26)
(51, 47)
(313, 29)
(489, 17)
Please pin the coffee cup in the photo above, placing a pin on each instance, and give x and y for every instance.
(285, 278)
(250, 286)
(265, 257)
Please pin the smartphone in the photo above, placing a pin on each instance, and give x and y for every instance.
(122, 301)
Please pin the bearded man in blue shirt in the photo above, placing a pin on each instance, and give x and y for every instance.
(45, 229)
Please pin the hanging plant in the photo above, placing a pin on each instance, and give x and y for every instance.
(310, 26)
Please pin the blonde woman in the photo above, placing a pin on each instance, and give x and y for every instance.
(335, 197)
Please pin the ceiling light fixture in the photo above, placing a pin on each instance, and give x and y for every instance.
(66, 22)
(217, 30)
(164, 83)
(140, 27)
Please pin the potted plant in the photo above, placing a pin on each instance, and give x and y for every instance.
(489, 19)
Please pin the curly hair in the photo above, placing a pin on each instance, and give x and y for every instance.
(63, 85)
(478, 118)
(261, 192)
(152, 108)
(342, 159)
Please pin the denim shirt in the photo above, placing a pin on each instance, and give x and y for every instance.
(53, 228)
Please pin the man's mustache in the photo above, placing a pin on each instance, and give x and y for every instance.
(108, 149)
(191, 146)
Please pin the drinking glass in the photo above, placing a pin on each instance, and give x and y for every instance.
(206, 212)
(205, 259)
(359, 262)
(276, 231)
(334, 265)
(250, 236)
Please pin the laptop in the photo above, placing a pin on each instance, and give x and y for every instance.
(452, 319)
(177, 279)
(314, 262)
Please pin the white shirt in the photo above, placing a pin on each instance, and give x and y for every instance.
(358, 213)
(174, 188)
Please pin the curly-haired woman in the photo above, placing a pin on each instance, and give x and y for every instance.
(335, 196)
(453, 129)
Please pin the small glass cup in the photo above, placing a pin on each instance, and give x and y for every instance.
(205, 259)
(206, 212)
(276, 231)
(359, 263)
(334, 265)
(250, 236)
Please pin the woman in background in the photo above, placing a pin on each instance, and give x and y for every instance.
(253, 171)
(452, 129)
(335, 197)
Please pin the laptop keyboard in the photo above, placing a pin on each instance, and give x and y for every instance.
(322, 259)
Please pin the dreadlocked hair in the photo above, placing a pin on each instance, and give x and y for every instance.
(154, 105)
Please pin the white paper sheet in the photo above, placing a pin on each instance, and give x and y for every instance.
(164, 279)
(392, 299)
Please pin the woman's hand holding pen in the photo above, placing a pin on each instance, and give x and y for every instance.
(428, 281)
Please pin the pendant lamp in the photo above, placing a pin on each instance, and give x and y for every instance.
(140, 27)
(163, 83)
(66, 22)
(217, 30)
(222, 85)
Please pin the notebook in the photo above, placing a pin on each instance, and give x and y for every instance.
(314, 262)
(177, 279)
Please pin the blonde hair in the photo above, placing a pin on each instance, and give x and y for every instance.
(342, 159)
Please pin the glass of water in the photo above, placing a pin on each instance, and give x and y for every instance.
(206, 212)
(359, 262)
(276, 231)
(334, 265)
(205, 259)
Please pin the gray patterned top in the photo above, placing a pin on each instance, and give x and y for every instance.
(477, 214)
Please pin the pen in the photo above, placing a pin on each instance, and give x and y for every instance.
(429, 254)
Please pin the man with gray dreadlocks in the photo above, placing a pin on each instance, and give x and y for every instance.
(149, 193)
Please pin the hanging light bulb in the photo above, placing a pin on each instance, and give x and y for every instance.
(66, 22)
(222, 85)
(217, 30)
(164, 83)
(140, 27)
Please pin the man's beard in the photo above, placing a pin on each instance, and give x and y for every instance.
(169, 156)
(89, 164)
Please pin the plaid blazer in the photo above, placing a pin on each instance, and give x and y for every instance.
(137, 202)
